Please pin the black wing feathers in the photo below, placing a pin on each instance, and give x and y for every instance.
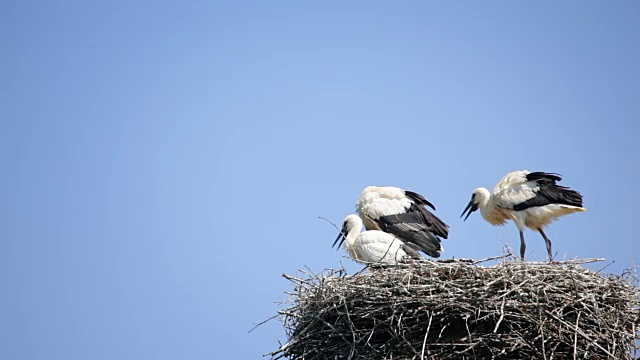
(419, 229)
(549, 192)
(418, 199)
(420, 217)
(539, 175)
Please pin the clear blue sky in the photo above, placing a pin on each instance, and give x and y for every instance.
(164, 162)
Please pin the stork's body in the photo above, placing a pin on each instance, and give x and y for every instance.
(371, 246)
(403, 214)
(530, 199)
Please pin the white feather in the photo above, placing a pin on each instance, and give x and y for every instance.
(372, 246)
(378, 201)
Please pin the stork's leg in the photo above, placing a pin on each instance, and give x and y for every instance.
(546, 240)
(523, 246)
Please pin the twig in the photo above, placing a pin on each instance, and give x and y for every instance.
(575, 338)
(606, 266)
(327, 220)
(504, 300)
(426, 334)
(263, 322)
(491, 259)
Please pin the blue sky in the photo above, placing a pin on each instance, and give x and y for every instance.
(165, 162)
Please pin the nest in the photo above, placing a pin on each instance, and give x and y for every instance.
(459, 310)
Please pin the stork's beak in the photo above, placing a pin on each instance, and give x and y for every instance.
(340, 238)
(471, 207)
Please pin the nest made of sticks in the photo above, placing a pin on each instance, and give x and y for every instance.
(458, 310)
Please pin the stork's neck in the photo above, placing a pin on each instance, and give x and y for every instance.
(487, 210)
(486, 204)
(352, 235)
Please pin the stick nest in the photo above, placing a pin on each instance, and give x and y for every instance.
(458, 310)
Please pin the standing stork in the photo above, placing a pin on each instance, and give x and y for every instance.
(372, 246)
(530, 199)
(402, 213)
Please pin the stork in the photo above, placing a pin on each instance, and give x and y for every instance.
(402, 213)
(530, 199)
(372, 246)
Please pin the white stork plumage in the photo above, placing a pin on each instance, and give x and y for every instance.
(371, 246)
(530, 199)
(403, 214)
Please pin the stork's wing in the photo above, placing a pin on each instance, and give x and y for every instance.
(419, 229)
(426, 217)
(418, 199)
(380, 247)
(543, 176)
(549, 192)
(532, 189)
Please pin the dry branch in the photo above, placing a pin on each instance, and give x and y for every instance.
(461, 310)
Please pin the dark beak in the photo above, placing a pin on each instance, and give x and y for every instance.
(471, 207)
(340, 238)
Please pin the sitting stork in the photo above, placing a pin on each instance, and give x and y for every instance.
(372, 246)
(530, 199)
(402, 213)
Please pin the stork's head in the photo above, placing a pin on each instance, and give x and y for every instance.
(351, 222)
(479, 198)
